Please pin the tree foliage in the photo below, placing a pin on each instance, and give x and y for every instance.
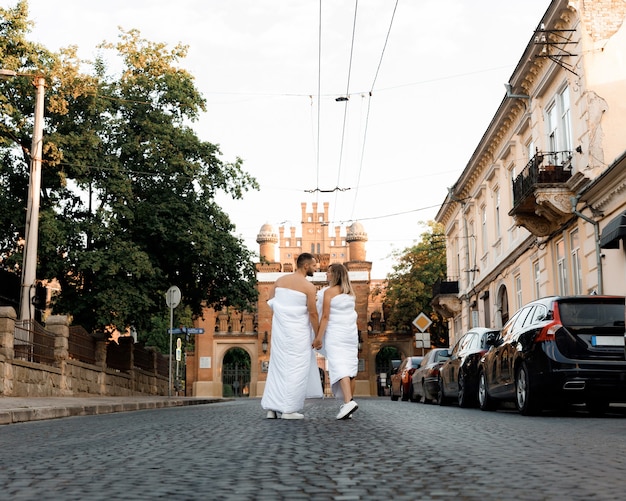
(409, 286)
(128, 189)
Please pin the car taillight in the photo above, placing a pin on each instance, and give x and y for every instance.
(548, 333)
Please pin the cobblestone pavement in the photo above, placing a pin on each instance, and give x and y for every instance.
(389, 450)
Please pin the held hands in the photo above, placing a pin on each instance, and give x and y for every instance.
(317, 342)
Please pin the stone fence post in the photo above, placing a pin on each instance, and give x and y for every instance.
(7, 332)
(59, 325)
(7, 335)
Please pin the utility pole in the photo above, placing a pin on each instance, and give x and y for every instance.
(29, 270)
(31, 232)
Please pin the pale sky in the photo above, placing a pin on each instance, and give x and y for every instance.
(393, 154)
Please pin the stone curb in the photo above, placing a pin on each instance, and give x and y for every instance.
(52, 411)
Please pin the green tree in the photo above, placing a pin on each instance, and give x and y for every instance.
(128, 189)
(409, 286)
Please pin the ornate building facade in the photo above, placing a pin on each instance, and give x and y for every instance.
(540, 209)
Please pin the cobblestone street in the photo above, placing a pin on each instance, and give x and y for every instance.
(389, 450)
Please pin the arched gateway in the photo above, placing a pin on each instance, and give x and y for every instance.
(236, 373)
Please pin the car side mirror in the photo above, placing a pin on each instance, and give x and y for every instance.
(492, 339)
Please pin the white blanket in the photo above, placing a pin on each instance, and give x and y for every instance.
(293, 374)
(340, 345)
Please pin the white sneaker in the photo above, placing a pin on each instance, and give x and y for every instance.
(292, 415)
(346, 410)
(271, 415)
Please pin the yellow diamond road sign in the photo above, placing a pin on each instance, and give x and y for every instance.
(422, 322)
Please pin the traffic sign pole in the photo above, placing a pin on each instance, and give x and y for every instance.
(172, 299)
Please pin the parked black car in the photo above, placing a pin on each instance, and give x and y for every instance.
(425, 379)
(557, 351)
(458, 377)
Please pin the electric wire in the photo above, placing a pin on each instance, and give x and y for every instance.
(367, 116)
(345, 110)
(319, 91)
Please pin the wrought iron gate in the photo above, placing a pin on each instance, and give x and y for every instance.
(235, 380)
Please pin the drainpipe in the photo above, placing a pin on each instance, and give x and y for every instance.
(596, 230)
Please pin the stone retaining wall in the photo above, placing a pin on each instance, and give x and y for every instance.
(67, 377)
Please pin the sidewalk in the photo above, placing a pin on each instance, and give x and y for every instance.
(22, 409)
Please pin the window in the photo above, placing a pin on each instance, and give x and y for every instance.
(530, 149)
(485, 298)
(537, 279)
(471, 241)
(577, 280)
(483, 219)
(518, 292)
(496, 197)
(475, 322)
(566, 123)
(457, 256)
(558, 119)
(286, 243)
(539, 313)
(561, 267)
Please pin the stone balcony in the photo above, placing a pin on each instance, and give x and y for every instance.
(446, 300)
(542, 192)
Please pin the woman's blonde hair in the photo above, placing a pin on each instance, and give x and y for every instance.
(339, 276)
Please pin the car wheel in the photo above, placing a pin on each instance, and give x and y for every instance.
(412, 396)
(426, 398)
(464, 399)
(403, 394)
(597, 407)
(485, 402)
(393, 397)
(441, 395)
(525, 398)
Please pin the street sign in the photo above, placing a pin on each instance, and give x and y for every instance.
(178, 354)
(179, 344)
(195, 330)
(172, 297)
(186, 330)
(422, 322)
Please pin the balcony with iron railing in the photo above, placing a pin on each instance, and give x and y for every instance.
(445, 297)
(541, 195)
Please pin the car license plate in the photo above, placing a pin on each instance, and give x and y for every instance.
(607, 341)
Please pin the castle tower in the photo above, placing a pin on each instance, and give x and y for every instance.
(356, 238)
(267, 240)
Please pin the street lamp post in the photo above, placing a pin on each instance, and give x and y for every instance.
(31, 233)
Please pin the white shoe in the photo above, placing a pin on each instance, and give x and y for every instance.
(292, 415)
(271, 415)
(346, 410)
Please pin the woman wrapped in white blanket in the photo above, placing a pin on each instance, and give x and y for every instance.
(337, 337)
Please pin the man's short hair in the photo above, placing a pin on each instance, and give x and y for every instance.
(304, 258)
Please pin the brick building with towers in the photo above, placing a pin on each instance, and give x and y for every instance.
(214, 370)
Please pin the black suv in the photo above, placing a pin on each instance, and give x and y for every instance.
(557, 350)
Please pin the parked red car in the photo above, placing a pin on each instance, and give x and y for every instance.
(401, 386)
